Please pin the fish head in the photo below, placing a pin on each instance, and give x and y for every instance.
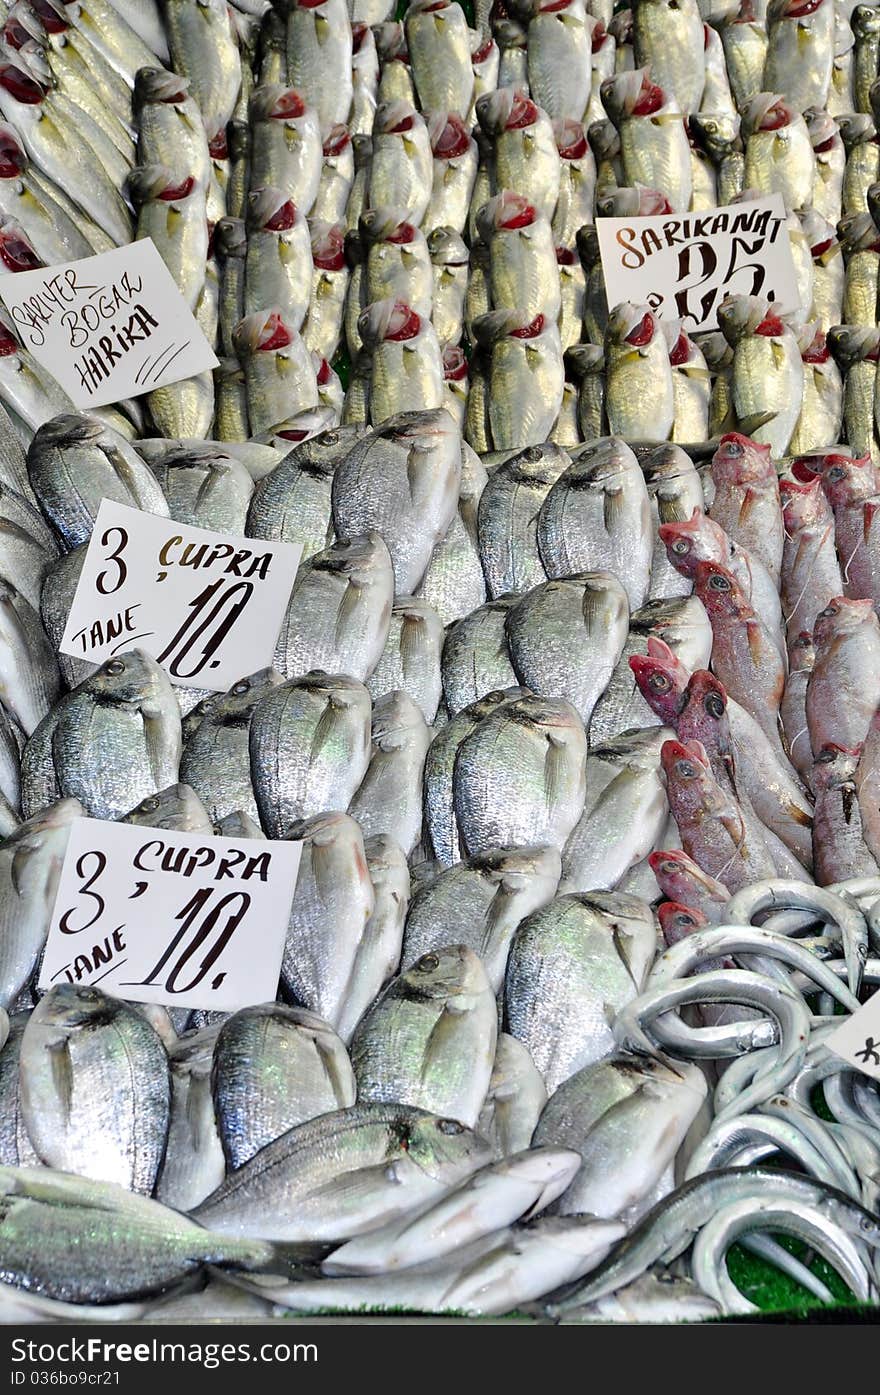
(270, 210)
(631, 94)
(801, 653)
(455, 364)
(388, 319)
(177, 807)
(485, 53)
(443, 1149)
(812, 343)
(13, 158)
(661, 679)
(498, 324)
(703, 716)
(67, 1007)
(834, 768)
(230, 237)
(820, 234)
(453, 975)
(239, 701)
(521, 869)
(636, 201)
(21, 85)
(851, 344)
(718, 135)
(803, 504)
(682, 879)
(395, 118)
(449, 136)
(699, 539)
(842, 617)
(336, 141)
(386, 224)
(159, 86)
(571, 139)
(847, 480)
(585, 359)
(741, 315)
(766, 111)
(678, 921)
(865, 21)
(740, 461)
(631, 328)
(858, 233)
(390, 38)
(262, 332)
(506, 212)
(495, 109)
(823, 131)
(328, 245)
(719, 591)
(157, 184)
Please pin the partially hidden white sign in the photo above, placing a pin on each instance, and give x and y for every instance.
(177, 918)
(857, 1040)
(108, 327)
(207, 606)
(683, 265)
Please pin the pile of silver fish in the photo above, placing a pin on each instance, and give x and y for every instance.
(574, 710)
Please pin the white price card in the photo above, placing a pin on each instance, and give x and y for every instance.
(205, 605)
(857, 1040)
(176, 918)
(683, 265)
(108, 327)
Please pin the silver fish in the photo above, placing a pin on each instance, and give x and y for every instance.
(340, 610)
(378, 952)
(216, 758)
(194, 1164)
(30, 868)
(410, 660)
(95, 1088)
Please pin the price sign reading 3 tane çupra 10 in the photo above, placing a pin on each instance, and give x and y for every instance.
(162, 917)
(109, 326)
(206, 606)
(683, 265)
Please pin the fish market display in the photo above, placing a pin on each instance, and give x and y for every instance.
(575, 708)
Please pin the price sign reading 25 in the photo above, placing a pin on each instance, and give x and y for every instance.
(207, 606)
(163, 917)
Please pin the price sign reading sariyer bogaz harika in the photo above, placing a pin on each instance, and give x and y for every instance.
(205, 605)
(108, 327)
(157, 916)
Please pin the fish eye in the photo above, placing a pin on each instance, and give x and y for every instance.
(718, 583)
(150, 804)
(681, 546)
(828, 612)
(836, 473)
(685, 769)
(114, 668)
(713, 705)
(427, 963)
(330, 438)
(241, 687)
(659, 683)
(867, 1224)
(734, 448)
(669, 868)
(450, 1126)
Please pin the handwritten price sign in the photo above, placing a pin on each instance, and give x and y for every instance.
(684, 265)
(109, 326)
(176, 918)
(858, 1039)
(206, 606)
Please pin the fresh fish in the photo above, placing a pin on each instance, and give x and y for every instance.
(109, 743)
(627, 1117)
(839, 847)
(215, 760)
(178, 808)
(573, 964)
(778, 152)
(410, 660)
(286, 149)
(344, 1173)
(194, 1164)
(653, 143)
(519, 777)
(800, 51)
(278, 265)
(206, 489)
(275, 1067)
(590, 609)
(95, 1087)
(639, 395)
(278, 370)
(668, 40)
(746, 500)
(514, 1100)
(389, 801)
(485, 897)
(620, 825)
(768, 373)
(161, 1247)
(604, 490)
(402, 165)
(319, 55)
(401, 480)
(332, 906)
(309, 748)
(30, 868)
(339, 610)
(378, 952)
(507, 517)
(203, 48)
(847, 639)
(526, 376)
(76, 461)
(524, 146)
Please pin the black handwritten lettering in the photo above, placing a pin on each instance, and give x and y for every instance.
(82, 865)
(104, 578)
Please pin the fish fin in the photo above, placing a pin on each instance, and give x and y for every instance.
(613, 508)
(752, 423)
(798, 815)
(754, 637)
(61, 1069)
(347, 608)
